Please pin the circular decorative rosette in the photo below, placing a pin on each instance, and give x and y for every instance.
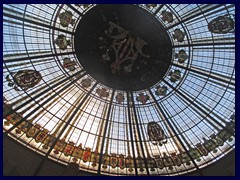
(161, 91)
(62, 42)
(181, 56)
(179, 35)
(66, 18)
(142, 98)
(102, 92)
(221, 25)
(175, 75)
(167, 16)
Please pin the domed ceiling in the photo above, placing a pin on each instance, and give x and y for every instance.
(145, 89)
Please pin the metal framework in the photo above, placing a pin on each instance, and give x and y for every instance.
(199, 105)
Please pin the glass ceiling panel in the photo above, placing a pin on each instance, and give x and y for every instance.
(54, 106)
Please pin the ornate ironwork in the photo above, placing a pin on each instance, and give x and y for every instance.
(121, 52)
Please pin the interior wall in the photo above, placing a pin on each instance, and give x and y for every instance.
(18, 160)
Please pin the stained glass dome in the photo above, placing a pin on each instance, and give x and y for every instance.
(146, 89)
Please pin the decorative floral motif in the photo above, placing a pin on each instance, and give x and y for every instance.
(151, 5)
(120, 98)
(102, 92)
(48, 141)
(221, 25)
(161, 91)
(167, 16)
(179, 35)
(62, 42)
(175, 76)
(156, 134)
(85, 6)
(181, 56)
(24, 79)
(142, 98)
(185, 158)
(69, 64)
(231, 126)
(66, 18)
(85, 83)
